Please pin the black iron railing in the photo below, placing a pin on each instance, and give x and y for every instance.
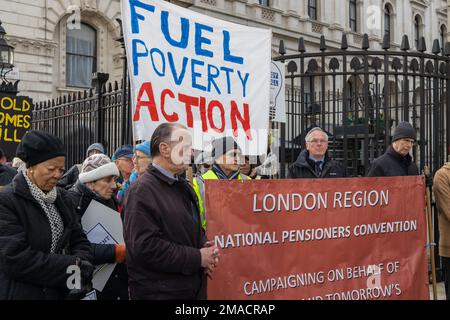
(83, 118)
(344, 91)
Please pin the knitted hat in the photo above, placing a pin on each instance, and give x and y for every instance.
(123, 151)
(222, 145)
(404, 130)
(143, 147)
(96, 167)
(39, 146)
(95, 146)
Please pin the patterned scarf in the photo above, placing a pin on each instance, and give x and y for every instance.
(46, 201)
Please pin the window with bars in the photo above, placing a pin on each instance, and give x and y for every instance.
(443, 34)
(352, 16)
(81, 56)
(312, 9)
(387, 21)
(417, 30)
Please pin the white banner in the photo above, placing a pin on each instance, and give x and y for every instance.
(210, 75)
(277, 92)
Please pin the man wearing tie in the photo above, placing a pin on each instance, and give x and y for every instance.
(314, 162)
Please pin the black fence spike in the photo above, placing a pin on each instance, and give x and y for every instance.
(436, 47)
(344, 43)
(323, 44)
(281, 48)
(365, 43)
(301, 45)
(405, 43)
(386, 42)
(422, 47)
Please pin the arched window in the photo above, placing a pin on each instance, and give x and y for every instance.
(417, 33)
(312, 9)
(352, 15)
(81, 56)
(443, 35)
(387, 21)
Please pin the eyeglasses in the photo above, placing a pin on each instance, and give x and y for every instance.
(318, 141)
(411, 141)
(141, 157)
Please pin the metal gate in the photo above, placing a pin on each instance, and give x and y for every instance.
(359, 96)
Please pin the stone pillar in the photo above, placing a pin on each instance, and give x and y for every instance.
(299, 8)
(448, 19)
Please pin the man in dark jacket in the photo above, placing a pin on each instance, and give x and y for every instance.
(397, 161)
(314, 162)
(41, 240)
(6, 173)
(97, 181)
(167, 256)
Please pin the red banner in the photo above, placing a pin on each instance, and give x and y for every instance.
(321, 239)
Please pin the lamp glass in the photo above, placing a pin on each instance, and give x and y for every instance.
(4, 55)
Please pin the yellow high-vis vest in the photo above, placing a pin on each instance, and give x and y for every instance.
(199, 188)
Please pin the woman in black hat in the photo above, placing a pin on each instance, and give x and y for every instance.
(44, 253)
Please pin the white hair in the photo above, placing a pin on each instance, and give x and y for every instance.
(308, 136)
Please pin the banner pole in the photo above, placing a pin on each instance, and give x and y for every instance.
(430, 233)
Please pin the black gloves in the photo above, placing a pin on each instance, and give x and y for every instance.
(86, 271)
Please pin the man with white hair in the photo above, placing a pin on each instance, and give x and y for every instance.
(314, 162)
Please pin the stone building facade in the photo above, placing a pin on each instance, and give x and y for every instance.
(58, 42)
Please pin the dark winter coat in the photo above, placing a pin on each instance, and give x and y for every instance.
(163, 235)
(117, 286)
(69, 178)
(303, 167)
(391, 164)
(6, 174)
(27, 268)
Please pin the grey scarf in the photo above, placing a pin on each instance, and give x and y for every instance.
(46, 201)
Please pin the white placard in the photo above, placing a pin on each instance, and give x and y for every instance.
(102, 225)
(277, 92)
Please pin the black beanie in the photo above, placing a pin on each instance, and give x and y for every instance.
(404, 130)
(222, 145)
(39, 146)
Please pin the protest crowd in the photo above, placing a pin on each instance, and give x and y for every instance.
(165, 253)
(133, 225)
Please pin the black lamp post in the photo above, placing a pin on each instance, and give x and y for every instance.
(6, 64)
